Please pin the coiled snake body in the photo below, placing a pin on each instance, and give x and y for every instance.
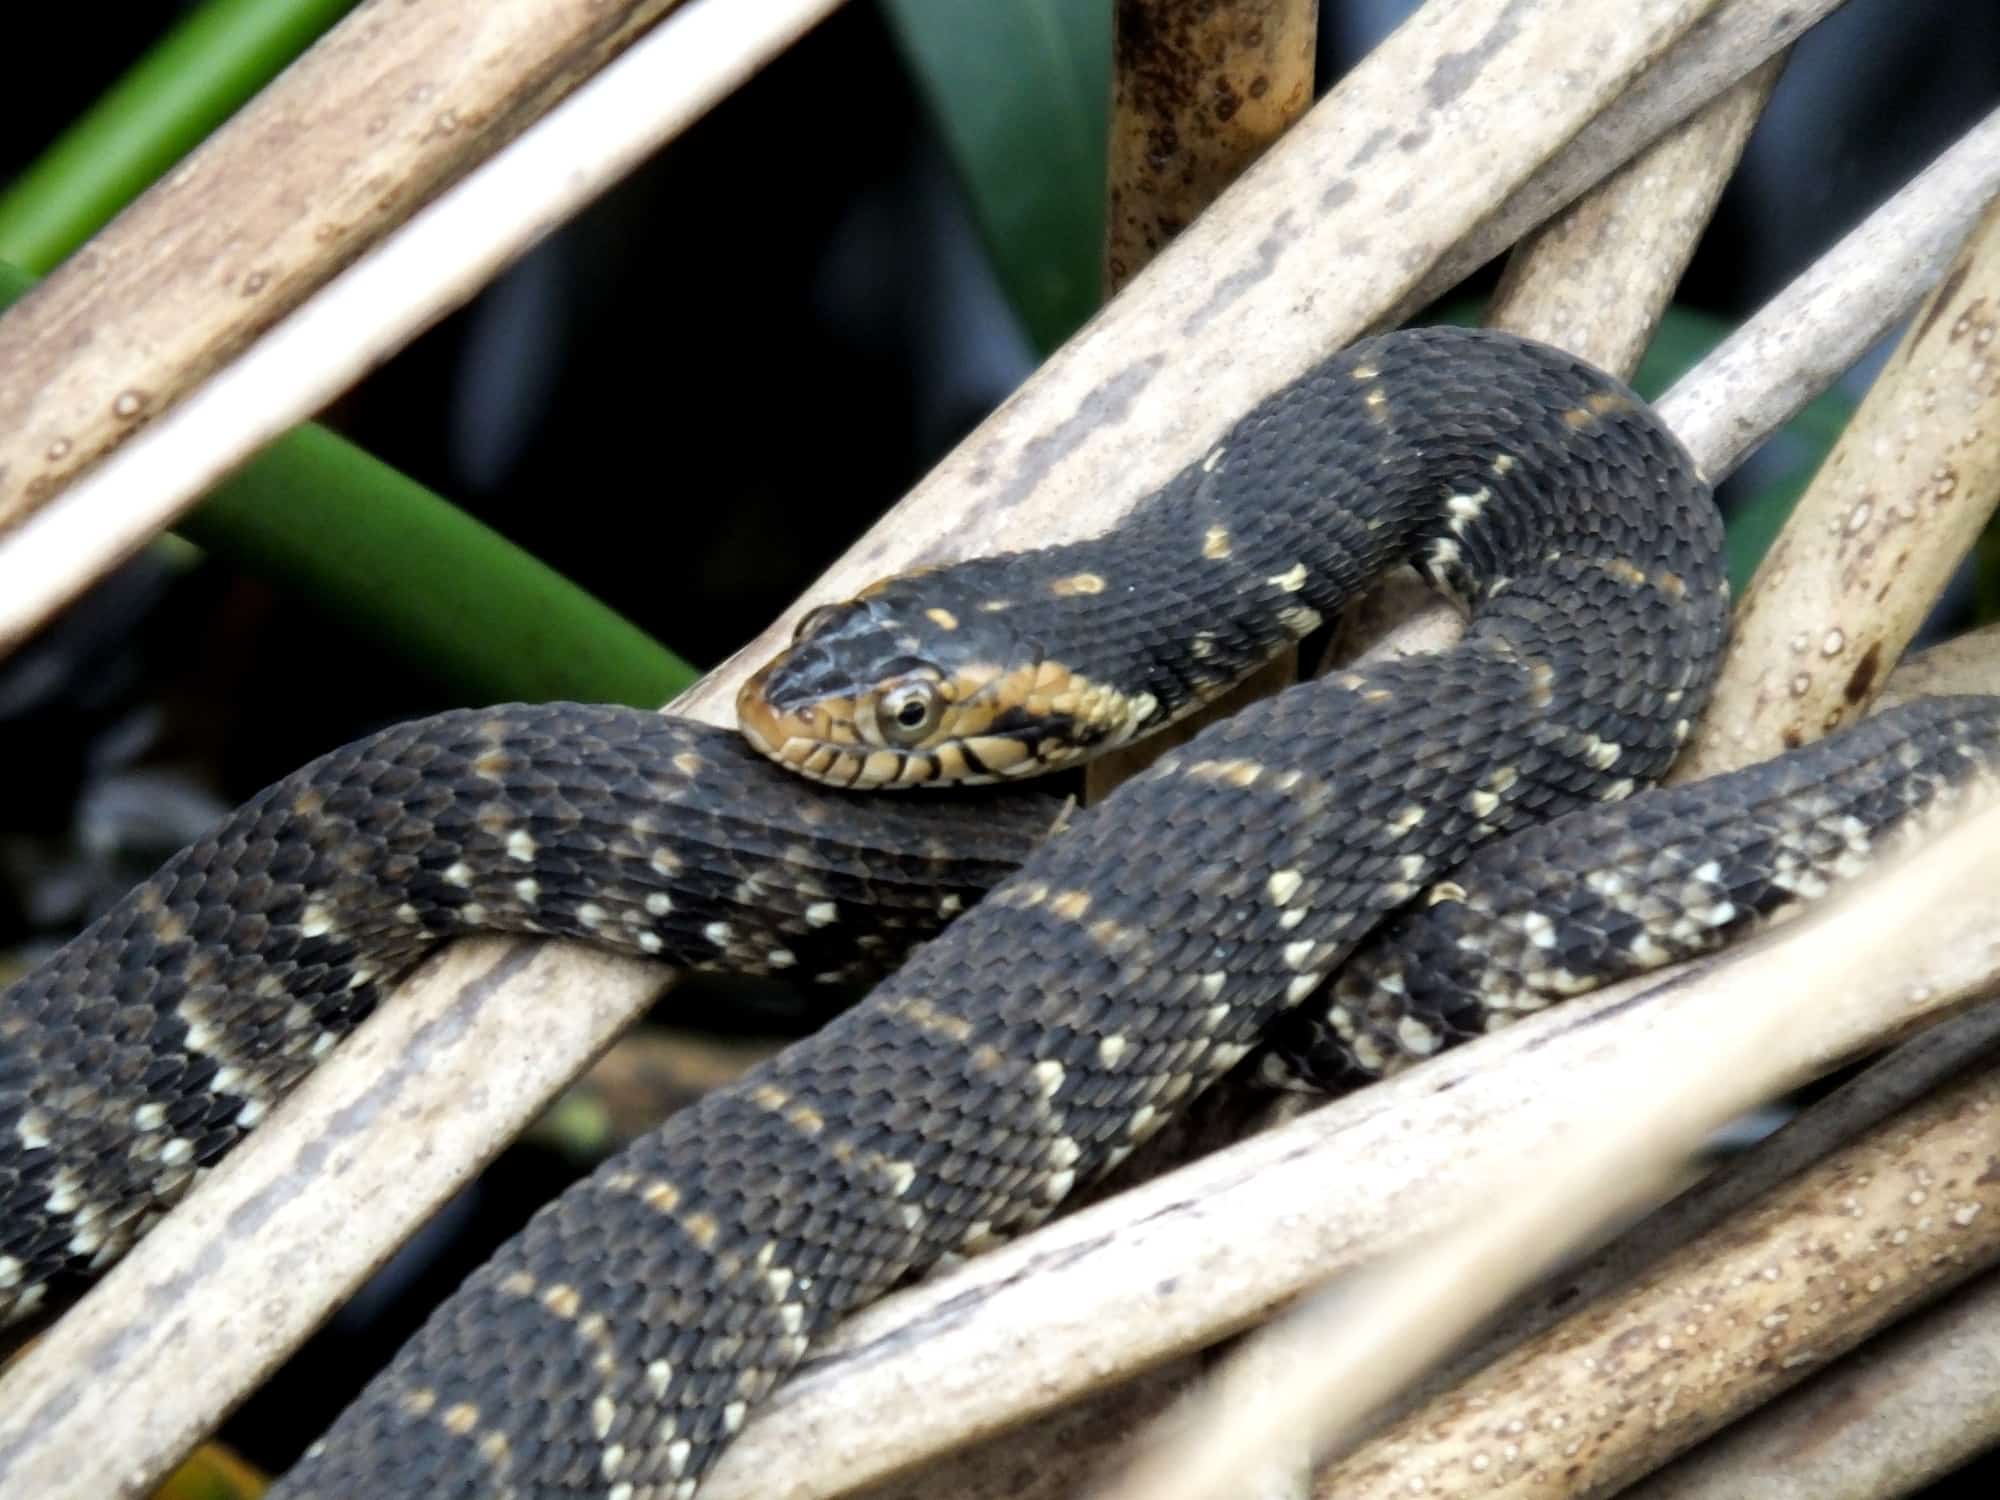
(615, 1346)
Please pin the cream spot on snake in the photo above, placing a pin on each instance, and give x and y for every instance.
(1287, 920)
(650, 942)
(1618, 790)
(176, 1151)
(408, 915)
(460, 1419)
(472, 914)
(1212, 983)
(1538, 929)
(1077, 583)
(950, 906)
(149, 1117)
(719, 933)
(11, 1271)
(315, 921)
(1300, 620)
(602, 1414)
(1291, 580)
(1056, 1187)
(419, 1402)
(1404, 819)
(1141, 1122)
(1503, 465)
(528, 892)
(1070, 905)
(659, 1378)
(781, 958)
(1215, 543)
(591, 915)
(1299, 955)
(822, 914)
(660, 1196)
(1301, 987)
(733, 1415)
(521, 845)
(611, 1460)
(1463, 510)
(563, 1300)
(944, 619)
(250, 1114)
(1048, 1077)
(688, 763)
(659, 903)
(1480, 802)
(1215, 457)
(1110, 1048)
(996, 606)
(458, 874)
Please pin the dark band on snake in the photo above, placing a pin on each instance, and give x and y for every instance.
(622, 1339)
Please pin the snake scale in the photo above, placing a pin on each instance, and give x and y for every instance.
(1110, 973)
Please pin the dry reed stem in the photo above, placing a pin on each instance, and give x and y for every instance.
(393, 103)
(1843, 303)
(1597, 277)
(435, 262)
(1198, 91)
(1904, 1409)
(1725, 1324)
(1726, 44)
(1877, 534)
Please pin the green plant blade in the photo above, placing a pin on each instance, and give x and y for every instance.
(1020, 92)
(196, 77)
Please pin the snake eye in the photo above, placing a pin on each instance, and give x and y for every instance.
(910, 712)
(813, 620)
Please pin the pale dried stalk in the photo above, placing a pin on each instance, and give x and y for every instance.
(1904, 1409)
(1198, 91)
(1876, 536)
(1843, 303)
(1908, 1074)
(1969, 663)
(390, 105)
(1735, 1040)
(1596, 278)
(435, 262)
(1886, 1223)
(1725, 45)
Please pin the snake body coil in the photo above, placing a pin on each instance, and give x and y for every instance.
(615, 1346)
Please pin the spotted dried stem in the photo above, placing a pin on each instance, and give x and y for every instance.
(1198, 92)
(392, 104)
(1910, 1407)
(1876, 536)
(1884, 1224)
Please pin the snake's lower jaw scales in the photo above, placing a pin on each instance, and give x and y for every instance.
(618, 1343)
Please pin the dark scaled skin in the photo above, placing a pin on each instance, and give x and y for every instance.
(147, 1046)
(1673, 875)
(1134, 958)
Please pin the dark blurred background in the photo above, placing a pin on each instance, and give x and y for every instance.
(689, 400)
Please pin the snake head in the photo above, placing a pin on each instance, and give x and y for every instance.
(892, 689)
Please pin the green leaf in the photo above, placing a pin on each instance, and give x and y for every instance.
(399, 565)
(194, 79)
(1020, 93)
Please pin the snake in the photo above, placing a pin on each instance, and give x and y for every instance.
(1366, 868)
